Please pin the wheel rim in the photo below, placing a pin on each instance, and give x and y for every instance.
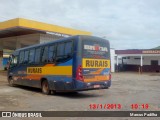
(45, 87)
(11, 82)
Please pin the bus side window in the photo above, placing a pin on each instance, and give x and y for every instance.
(64, 51)
(44, 54)
(21, 57)
(31, 55)
(60, 52)
(51, 56)
(68, 49)
(37, 55)
(26, 56)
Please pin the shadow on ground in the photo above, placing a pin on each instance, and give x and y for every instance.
(73, 95)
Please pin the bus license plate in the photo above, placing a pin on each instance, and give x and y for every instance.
(96, 86)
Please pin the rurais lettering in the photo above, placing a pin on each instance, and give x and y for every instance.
(96, 63)
(34, 70)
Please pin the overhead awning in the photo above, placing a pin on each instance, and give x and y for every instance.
(20, 26)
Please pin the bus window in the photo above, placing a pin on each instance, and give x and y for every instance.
(45, 54)
(37, 55)
(60, 52)
(68, 49)
(60, 49)
(95, 49)
(51, 53)
(21, 58)
(31, 55)
(26, 55)
(64, 51)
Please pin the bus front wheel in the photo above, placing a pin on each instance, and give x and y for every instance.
(45, 88)
(11, 82)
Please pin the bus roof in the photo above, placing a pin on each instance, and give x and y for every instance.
(41, 44)
(58, 40)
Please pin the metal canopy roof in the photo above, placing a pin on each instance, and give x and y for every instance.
(17, 31)
(20, 26)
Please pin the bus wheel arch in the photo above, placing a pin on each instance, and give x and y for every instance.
(45, 86)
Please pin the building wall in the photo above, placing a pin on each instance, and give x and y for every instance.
(136, 60)
(17, 42)
(1, 63)
(112, 52)
(48, 37)
(132, 63)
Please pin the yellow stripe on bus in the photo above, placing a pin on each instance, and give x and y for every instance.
(48, 70)
(96, 78)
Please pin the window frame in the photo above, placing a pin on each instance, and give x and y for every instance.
(26, 62)
(12, 63)
(42, 51)
(33, 56)
(39, 62)
(71, 46)
(64, 59)
(21, 62)
(107, 54)
(55, 50)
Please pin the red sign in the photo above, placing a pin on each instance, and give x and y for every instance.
(96, 47)
(151, 51)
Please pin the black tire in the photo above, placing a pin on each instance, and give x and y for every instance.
(53, 92)
(45, 88)
(11, 82)
(74, 93)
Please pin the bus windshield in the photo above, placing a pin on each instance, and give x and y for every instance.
(95, 49)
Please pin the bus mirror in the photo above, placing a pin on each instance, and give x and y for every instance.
(10, 58)
(8, 64)
(12, 61)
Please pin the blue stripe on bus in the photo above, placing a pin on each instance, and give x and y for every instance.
(68, 63)
(105, 71)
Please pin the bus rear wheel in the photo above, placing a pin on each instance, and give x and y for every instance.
(11, 82)
(45, 88)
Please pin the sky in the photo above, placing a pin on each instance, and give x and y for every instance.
(127, 24)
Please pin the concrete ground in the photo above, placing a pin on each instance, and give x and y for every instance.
(127, 89)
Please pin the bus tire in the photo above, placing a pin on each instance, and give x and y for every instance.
(53, 92)
(11, 82)
(74, 93)
(45, 88)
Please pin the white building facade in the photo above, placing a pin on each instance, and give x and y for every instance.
(147, 60)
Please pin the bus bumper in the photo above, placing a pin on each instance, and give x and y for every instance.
(82, 86)
(79, 85)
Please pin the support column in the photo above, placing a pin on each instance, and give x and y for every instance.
(122, 67)
(141, 65)
(1, 55)
(117, 69)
